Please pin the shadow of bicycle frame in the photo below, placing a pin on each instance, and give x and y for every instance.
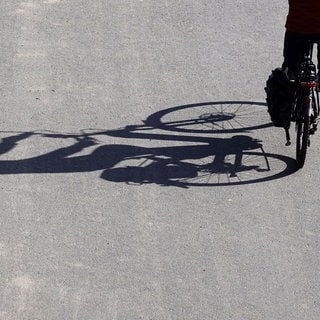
(199, 161)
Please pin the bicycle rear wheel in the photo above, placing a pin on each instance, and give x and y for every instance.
(303, 139)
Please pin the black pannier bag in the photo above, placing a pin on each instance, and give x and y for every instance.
(280, 96)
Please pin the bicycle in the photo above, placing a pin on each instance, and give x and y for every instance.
(305, 110)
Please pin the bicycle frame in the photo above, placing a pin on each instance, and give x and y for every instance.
(307, 84)
(306, 105)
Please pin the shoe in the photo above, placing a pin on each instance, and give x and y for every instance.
(290, 75)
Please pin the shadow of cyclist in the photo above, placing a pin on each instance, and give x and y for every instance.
(200, 157)
(9, 143)
(107, 156)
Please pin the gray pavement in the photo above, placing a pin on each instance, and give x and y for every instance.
(139, 175)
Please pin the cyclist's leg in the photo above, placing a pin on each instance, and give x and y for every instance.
(294, 47)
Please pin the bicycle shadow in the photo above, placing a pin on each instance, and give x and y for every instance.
(219, 162)
(237, 160)
(205, 161)
(215, 161)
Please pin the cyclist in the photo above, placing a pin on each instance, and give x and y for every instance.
(303, 24)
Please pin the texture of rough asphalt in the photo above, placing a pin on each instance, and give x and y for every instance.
(139, 175)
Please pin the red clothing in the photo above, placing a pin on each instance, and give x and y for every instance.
(304, 16)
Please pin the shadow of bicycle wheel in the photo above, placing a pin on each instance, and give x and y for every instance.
(212, 117)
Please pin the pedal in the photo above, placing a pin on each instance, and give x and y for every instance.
(288, 143)
(313, 129)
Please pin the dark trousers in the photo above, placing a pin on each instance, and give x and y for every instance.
(295, 45)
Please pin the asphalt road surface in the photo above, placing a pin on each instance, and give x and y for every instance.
(140, 177)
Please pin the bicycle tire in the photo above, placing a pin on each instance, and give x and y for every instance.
(303, 134)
